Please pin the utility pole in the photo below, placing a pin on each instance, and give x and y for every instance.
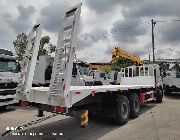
(153, 25)
(149, 59)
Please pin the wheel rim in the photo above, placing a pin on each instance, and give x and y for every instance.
(136, 105)
(124, 110)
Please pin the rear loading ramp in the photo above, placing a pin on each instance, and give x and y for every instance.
(64, 57)
(29, 62)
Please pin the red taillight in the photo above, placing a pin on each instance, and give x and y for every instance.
(58, 109)
(77, 92)
(24, 103)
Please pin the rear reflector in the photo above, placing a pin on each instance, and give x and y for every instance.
(142, 98)
(24, 103)
(77, 92)
(58, 109)
(93, 93)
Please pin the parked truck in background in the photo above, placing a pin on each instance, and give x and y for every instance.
(9, 76)
(43, 71)
(172, 81)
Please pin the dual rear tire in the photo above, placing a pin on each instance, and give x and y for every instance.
(126, 108)
(159, 95)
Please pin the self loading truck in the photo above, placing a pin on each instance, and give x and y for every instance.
(141, 84)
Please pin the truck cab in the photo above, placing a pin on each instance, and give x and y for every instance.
(9, 77)
(171, 82)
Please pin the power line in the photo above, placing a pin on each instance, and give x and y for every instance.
(113, 33)
(174, 20)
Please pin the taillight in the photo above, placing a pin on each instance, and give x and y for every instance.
(58, 109)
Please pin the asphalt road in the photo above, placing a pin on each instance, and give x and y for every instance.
(156, 122)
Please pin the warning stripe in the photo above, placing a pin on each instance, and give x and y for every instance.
(85, 114)
(84, 119)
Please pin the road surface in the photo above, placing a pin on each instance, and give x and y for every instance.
(156, 122)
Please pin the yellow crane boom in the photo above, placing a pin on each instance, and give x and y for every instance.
(118, 52)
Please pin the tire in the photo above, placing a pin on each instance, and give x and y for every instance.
(166, 90)
(134, 105)
(159, 95)
(122, 110)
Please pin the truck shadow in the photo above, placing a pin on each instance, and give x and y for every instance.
(97, 128)
(6, 110)
(147, 107)
(173, 96)
(15, 107)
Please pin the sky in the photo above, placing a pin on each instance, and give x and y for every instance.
(104, 24)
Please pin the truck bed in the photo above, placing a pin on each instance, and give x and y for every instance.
(76, 93)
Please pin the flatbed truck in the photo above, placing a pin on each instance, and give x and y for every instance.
(118, 101)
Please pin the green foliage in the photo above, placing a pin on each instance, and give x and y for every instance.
(44, 40)
(121, 63)
(21, 41)
(106, 69)
(20, 45)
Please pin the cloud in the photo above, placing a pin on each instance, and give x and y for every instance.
(117, 18)
(88, 39)
(152, 8)
(127, 31)
(6, 35)
(52, 15)
(102, 6)
(83, 43)
(170, 33)
(23, 21)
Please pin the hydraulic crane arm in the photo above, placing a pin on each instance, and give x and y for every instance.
(118, 52)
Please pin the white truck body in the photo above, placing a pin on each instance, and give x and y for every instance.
(62, 97)
(9, 78)
(172, 82)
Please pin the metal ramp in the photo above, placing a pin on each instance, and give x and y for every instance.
(64, 56)
(29, 62)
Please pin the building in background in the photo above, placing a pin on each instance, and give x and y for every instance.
(100, 66)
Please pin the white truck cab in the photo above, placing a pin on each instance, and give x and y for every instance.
(9, 77)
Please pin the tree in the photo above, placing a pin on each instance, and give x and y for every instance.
(106, 69)
(52, 48)
(20, 45)
(44, 40)
(121, 63)
(21, 41)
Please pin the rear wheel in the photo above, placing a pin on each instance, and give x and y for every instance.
(159, 95)
(122, 110)
(134, 105)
